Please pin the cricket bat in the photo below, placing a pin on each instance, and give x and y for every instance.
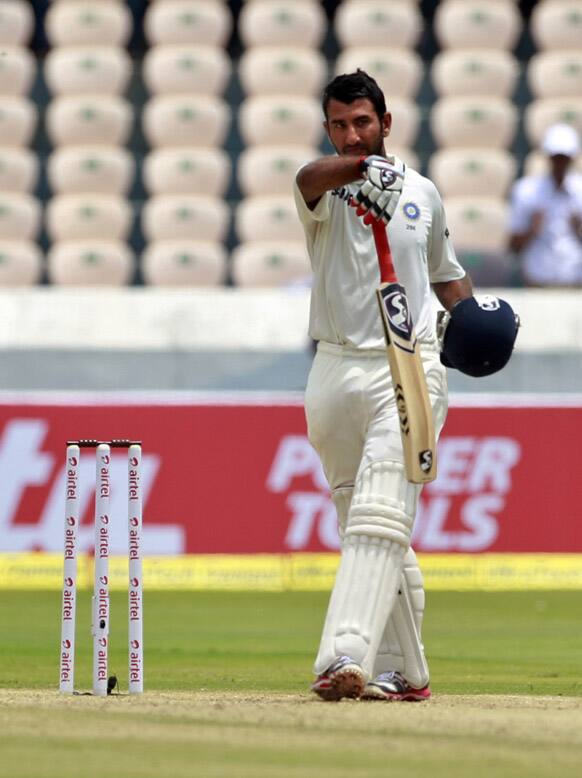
(408, 378)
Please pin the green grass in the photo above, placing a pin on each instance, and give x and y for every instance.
(226, 692)
(477, 643)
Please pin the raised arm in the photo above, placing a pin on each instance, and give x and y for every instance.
(323, 175)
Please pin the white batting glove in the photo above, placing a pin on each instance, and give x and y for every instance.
(379, 194)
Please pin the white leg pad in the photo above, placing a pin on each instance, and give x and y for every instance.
(401, 647)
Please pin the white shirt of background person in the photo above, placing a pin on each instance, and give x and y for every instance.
(546, 215)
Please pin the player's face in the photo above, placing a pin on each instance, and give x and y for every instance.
(355, 129)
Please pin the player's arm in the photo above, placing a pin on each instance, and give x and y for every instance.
(325, 174)
(450, 292)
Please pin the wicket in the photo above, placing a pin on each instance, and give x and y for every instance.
(100, 602)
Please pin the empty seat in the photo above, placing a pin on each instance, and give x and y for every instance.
(477, 223)
(20, 263)
(271, 217)
(405, 121)
(184, 217)
(188, 21)
(468, 121)
(270, 263)
(271, 169)
(556, 73)
(90, 263)
(472, 171)
(557, 24)
(186, 70)
(18, 169)
(88, 119)
(17, 70)
(185, 120)
(18, 119)
(397, 71)
(378, 23)
(282, 70)
(87, 216)
(19, 216)
(459, 72)
(187, 170)
(184, 263)
(265, 120)
(477, 24)
(282, 22)
(541, 114)
(16, 23)
(74, 70)
(84, 22)
(98, 169)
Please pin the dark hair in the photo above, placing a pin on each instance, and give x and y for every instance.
(353, 86)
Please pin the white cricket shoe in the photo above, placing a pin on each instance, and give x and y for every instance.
(343, 678)
(393, 686)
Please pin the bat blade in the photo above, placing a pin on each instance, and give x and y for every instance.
(409, 381)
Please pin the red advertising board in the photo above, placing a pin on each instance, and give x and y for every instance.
(241, 477)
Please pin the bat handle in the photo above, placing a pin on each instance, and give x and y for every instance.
(387, 273)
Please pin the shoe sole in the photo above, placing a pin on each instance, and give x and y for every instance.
(347, 682)
(374, 694)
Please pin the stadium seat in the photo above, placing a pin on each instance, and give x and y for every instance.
(16, 23)
(266, 120)
(405, 122)
(282, 70)
(88, 119)
(477, 223)
(270, 263)
(20, 263)
(376, 22)
(472, 171)
(184, 263)
(179, 69)
(556, 73)
(477, 24)
(541, 114)
(83, 22)
(185, 217)
(18, 119)
(265, 170)
(185, 120)
(20, 215)
(187, 170)
(17, 70)
(88, 216)
(467, 121)
(84, 70)
(90, 263)
(397, 71)
(271, 217)
(458, 72)
(282, 22)
(18, 169)
(557, 24)
(97, 169)
(185, 22)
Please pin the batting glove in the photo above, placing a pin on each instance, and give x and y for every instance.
(379, 194)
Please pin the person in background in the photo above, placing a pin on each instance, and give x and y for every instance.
(546, 215)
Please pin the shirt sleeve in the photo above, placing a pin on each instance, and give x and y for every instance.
(443, 264)
(309, 218)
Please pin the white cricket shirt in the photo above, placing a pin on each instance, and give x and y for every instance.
(555, 254)
(344, 308)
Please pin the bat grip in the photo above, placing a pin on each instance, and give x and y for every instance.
(387, 272)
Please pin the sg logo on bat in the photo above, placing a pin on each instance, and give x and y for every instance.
(398, 312)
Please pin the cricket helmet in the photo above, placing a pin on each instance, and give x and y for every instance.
(477, 336)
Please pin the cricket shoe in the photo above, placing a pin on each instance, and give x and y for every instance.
(343, 678)
(393, 686)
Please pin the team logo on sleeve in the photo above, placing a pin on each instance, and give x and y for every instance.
(411, 210)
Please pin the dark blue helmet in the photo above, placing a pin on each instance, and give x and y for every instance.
(477, 336)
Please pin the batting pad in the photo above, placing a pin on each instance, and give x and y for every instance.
(342, 498)
(401, 646)
(362, 599)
